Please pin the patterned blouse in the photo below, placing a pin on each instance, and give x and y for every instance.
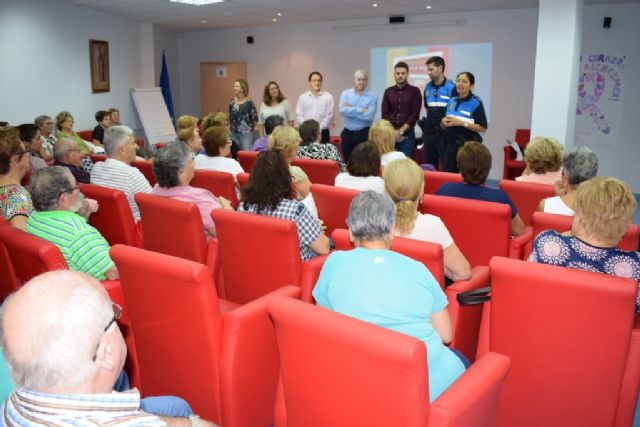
(15, 200)
(320, 151)
(243, 117)
(551, 247)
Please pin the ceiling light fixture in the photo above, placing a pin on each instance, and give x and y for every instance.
(275, 19)
(203, 22)
(197, 2)
(375, 5)
(428, 6)
(279, 13)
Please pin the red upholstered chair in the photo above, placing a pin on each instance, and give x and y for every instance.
(114, 219)
(25, 179)
(220, 357)
(339, 371)
(9, 282)
(175, 228)
(337, 141)
(243, 179)
(512, 167)
(219, 183)
(333, 205)
(159, 145)
(95, 158)
(247, 159)
(270, 245)
(86, 135)
(433, 180)
(146, 167)
(480, 229)
(318, 171)
(465, 318)
(526, 196)
(570, 336)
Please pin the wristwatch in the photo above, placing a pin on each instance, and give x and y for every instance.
(195, 420)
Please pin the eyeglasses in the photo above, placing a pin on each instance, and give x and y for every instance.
(70, 190)
(117, 313)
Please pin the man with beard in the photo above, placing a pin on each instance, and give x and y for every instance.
(61, 218)
(66, 153)
(401, 105)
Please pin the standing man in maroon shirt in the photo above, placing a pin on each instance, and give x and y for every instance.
(401, 106)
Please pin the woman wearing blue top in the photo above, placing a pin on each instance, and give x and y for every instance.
(464, 120)
(379, 286)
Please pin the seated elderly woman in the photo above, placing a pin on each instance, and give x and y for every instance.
(311, 148)
(579, 165)
(219, 119)
(404, 182)
(30, 137)
(543, 157)
(383, 135)
(286, 140)
(173, 169)
(217, 146)
(64, 124)
(15, 200)
(45, 125)
(269, 192)
(604, 208)
(191, 136)
(474, 163)
(362, 170)
(379, 286)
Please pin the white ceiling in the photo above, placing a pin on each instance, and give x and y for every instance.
(251, 13)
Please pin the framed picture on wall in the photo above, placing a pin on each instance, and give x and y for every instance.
(99, 62)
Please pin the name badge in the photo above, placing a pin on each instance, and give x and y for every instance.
(444, 97)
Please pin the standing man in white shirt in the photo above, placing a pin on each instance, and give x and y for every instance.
(316, 104)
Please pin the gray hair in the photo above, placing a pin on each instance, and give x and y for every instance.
(39, 121)
(371, 216)
(62, 147)
(61, 343)
(579, 165)
(47, 185)
(360, 72)
(169, 162)
(114, 137)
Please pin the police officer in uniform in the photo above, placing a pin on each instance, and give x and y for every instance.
(437, 94)
(464, 120)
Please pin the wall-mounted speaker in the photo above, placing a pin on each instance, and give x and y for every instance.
(249, 39)
(607, 22)
(396, 20)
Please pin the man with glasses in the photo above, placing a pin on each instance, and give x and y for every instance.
(316, 104)
(66, 153)
(60, 338)
(61, 218)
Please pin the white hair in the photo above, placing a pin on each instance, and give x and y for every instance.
(61, 347)
(360, 72)
(114, 137)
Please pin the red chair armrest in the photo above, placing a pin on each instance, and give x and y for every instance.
(473, 399)
(249, 362)
(630, 381)
(309, 276)
(519, 242)
(214, 264)
(483, 335)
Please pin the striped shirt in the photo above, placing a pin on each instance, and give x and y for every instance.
(82, 246)
(30, 408)
(113, 173)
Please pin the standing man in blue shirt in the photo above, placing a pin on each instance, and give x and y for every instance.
(358, 108)
(437, 94)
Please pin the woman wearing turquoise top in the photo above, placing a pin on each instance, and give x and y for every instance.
(379, 286)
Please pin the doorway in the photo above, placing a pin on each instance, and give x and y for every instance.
(216, 84)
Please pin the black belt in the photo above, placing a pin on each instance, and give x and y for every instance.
(355, 131)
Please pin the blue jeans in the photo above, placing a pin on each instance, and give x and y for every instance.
(408, 144)
(244, 139)
(164, 406)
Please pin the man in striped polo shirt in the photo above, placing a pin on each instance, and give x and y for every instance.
(117, 172)
(61, 218)
(60, 338)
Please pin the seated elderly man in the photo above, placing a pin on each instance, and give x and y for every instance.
(60, 338)
(379, 286)
(117, 172)
(67, 154)
(61, 218)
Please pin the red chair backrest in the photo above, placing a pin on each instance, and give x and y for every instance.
(26, 178)
(30, 255)
(9, 282)
(172, 227)
(95, 158)
(526, 196)
(179, 332)
(433, 180)
(243, 179)
(318, 171)
(114, 220)
(576, 346)
(429, 254)
(258, 254)
(522, 137)
(159, 145)
(86, 135)
(323, 350)
(545, 221)
(219, 183)
(333, 205)
(247, 159)
(480, 229)
(146, 167)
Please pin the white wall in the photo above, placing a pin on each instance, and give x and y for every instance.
(45, 61)
(288, 53)
(621, 39)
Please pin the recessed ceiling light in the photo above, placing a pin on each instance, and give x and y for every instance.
(197, 2)
(279, 13)
(375, 5)
(275, 19)
(428, 6)
(203, 22)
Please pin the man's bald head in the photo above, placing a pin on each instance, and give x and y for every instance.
(51, 327)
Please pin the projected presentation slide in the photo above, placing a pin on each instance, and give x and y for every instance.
(476, 58)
